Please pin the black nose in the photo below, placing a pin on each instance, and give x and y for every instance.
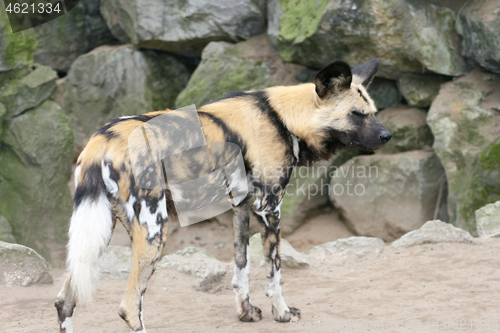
(385, 136)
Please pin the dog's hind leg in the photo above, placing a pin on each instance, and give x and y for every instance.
(246, 311)
(146, 252)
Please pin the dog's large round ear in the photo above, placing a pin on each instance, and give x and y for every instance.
(364, 74)
(333, 78)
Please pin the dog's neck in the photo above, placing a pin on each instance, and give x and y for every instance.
(295, 105)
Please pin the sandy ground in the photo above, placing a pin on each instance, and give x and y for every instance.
(420, 284)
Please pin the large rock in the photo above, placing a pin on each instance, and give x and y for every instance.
(117, 81)
(488, 220)
(479, 23)
(384, 93)
(465, 121)
(307, 191)
(115, 263)
(354, 247)
(22, 266)
(63, 39)
(183, 26)
(16, 50)
(386, 196)
(419, 90)
(225, 67)
(408, 127)
(26, 88)
(197, 262)
(435, 232)
(290, 257)
(35, 166)
(407, 35)
(6, 231)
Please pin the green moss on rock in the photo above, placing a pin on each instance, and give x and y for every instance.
(25, 88)
(465, 127)
(16, 49)
(225, 67)
(35, 165)
(407, 35)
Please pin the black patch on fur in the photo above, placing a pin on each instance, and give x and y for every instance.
(307, 154)
(229, 134)
(107, 129)
(113, 174)
(362, 96)
(357, 118)
(262, 101)
(91, 185)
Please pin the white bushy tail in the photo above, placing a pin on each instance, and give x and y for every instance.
(89, 234)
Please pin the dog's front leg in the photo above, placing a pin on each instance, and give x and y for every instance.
(246, 311)
(269, 221)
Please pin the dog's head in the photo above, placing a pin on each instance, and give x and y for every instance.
(345, 112)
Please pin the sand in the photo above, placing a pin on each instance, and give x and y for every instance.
(422, 284)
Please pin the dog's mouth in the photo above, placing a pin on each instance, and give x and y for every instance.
(355, 144)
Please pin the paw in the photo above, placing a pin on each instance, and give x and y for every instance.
(250, 312)
(292, 314)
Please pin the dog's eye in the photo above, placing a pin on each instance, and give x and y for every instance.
(358, 113)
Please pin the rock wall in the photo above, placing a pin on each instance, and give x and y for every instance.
(437, 91)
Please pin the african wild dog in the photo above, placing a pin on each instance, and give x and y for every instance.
(277, 128)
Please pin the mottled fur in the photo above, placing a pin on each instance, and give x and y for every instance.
(276, 129)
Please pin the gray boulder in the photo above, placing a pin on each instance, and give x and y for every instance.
(183, 26)
(197, 262)
(115, 263)
(352, 247)
(35, 166)
(488, 220)
(290, 257)
(419, 90)
(407, 35)
(63, 39)
(384, 93)
(465, 121)
(22, 266)
(225, 67)
(16, 50)
(408, 127)
(432, 232)
(386, 196)
(117, 81)
(307, 191)
(26, 88)
(478, 23)
(6, 231)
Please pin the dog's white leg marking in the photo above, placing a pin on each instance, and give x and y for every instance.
(151, 218)
(273, 290)
(129, 207)
(240, 283)
(67, 324)
(141, 318)
(110, 184)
